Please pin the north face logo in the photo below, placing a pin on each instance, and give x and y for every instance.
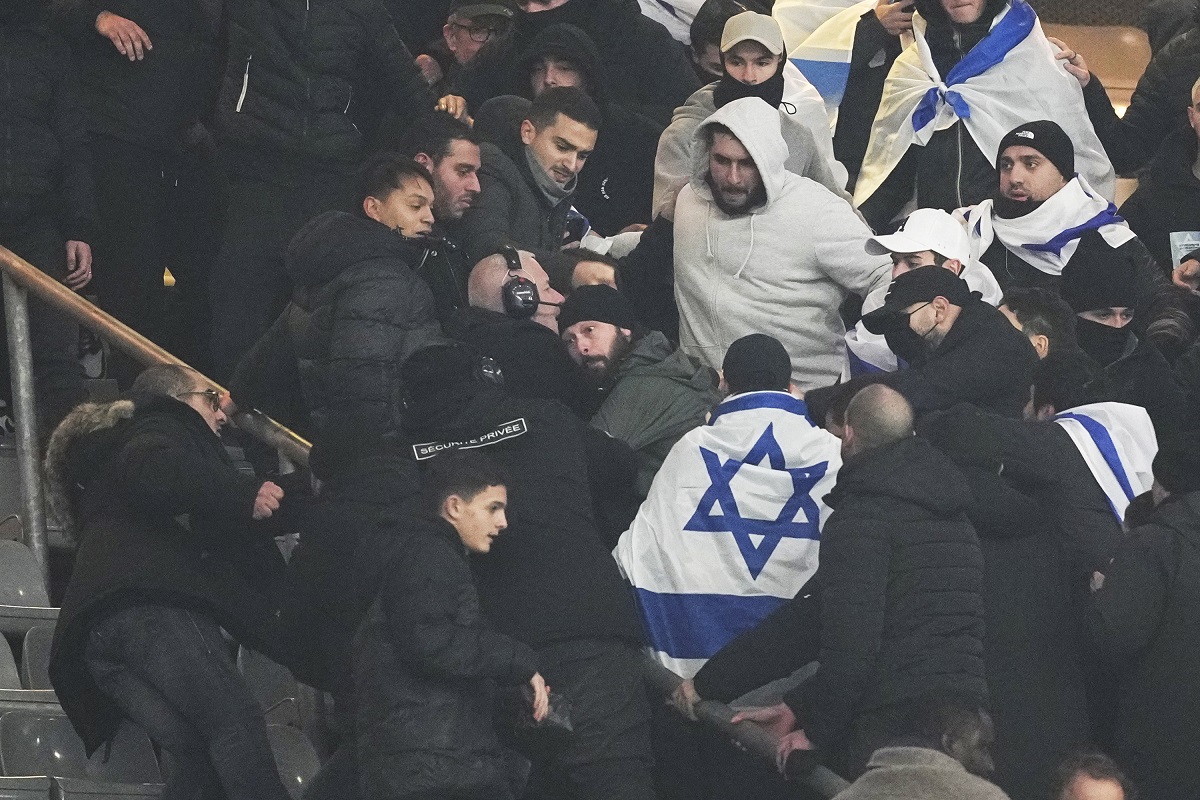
(1024, 134)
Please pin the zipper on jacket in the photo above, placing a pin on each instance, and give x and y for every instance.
(346, 110)
(958, 180)
(245, 84)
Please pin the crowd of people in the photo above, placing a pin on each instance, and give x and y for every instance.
(802, 350)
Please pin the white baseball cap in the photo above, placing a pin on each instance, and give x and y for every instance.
(753, 27)
(925, 229)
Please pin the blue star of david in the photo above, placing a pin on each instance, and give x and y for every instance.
(730, 519)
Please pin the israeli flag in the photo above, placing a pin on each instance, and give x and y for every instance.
(824, 55)
(731, 527)
(1118, 443)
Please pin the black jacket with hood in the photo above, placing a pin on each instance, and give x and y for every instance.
(1167, 198)
(616, 185)
(162, 517)
(45, 164)
(648, 72)
(901, 582)
(358, 311)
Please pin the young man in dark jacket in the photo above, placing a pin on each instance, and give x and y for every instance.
(173, 549)
(1143, 617)
(900, 587)
(549, 582)
(424, 658)
(47, 198)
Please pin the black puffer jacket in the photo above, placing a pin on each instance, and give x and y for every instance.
(616, 185)
(162, 517)
(1145, 619)
(422, 661)
(1167, 198)
(151, 102)
(548, 579)
(294, 67)
(367, 312)
(44, 157)
(901, 590)
(648, 71)
(950, 171)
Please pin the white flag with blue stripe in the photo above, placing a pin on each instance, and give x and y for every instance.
(1118, 443)
(731, 527)
(824, 55)
(799, 19)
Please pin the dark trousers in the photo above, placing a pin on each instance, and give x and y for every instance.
(58, 379)
(249, 286)
(608, 756)
(170, 671)
(158, 210)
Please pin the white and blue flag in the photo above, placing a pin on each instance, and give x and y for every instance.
(731, 527)
(823, 55)
(800, 19)
(1118, 443)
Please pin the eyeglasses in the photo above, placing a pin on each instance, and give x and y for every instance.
(214, 397)
(478, 33)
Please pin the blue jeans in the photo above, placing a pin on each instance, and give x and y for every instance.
(170, 671)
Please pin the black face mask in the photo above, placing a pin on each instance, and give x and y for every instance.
(769, 91)
(1006, 208)
(906, 343)
(1102, 342)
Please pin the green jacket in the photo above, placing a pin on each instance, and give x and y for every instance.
(659, 395)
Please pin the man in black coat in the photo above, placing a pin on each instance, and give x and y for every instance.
(173, 549)
(549, 581)
(530, 171)
(149, 72)
(304, 86)
(957, 347)
(647, 71)
(1143, 618)
(47, 199)
(900, 587)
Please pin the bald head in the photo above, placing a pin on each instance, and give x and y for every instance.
(877, 416)
(489, 275)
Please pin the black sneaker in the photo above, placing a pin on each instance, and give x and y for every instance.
(91, 354)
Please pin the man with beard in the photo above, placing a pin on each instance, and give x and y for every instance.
(959, 349)
(752, 238)
(1046, 217)
(653, 393)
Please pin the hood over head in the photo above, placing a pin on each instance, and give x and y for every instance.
(335, 241)
(80, 446)
(572, 43)
(757, 127)
(911, 470)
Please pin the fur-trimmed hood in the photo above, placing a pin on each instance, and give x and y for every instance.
(81, 445)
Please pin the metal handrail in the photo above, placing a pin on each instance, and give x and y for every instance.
(20, 277)
(753, 737)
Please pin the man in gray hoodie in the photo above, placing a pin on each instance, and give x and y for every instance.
(759, 249)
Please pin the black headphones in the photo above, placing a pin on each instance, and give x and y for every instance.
(520, 295)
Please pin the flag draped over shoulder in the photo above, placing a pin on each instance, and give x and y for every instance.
(824, 55)
(731, 527)
(1011, 77)
(1118, 443)
(800, 19)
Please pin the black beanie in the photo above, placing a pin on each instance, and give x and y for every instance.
(1177, 465)
(598, 304)
(1048, 139)
(1100, 278)
(756, 363)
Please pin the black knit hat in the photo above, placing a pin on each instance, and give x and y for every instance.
(920, 285)
(1177, 465)
(757, 363)
(598, 304)
(1100, 278)
(1048, 139)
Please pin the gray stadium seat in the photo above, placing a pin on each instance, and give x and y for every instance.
(272, 685)
(294, 757)
(25, 788)
(8, 670)
(23, 600)
(35, 657)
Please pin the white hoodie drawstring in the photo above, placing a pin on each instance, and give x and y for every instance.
(738, 274)
(707, 236)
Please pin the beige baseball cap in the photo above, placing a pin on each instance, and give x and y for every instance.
(754, 27)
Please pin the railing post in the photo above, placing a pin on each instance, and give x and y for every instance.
(20, 357)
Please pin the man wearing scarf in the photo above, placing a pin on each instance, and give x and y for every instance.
(749, 38)
(975, 69)
(1045, 216)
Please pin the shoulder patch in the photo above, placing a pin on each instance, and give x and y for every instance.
(501, 433)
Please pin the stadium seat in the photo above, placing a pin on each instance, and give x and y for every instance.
(9, 678)
(35, 658)
(11, 528)
(294, 757)
(24, 788)
(272, 685)
(23, 600)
